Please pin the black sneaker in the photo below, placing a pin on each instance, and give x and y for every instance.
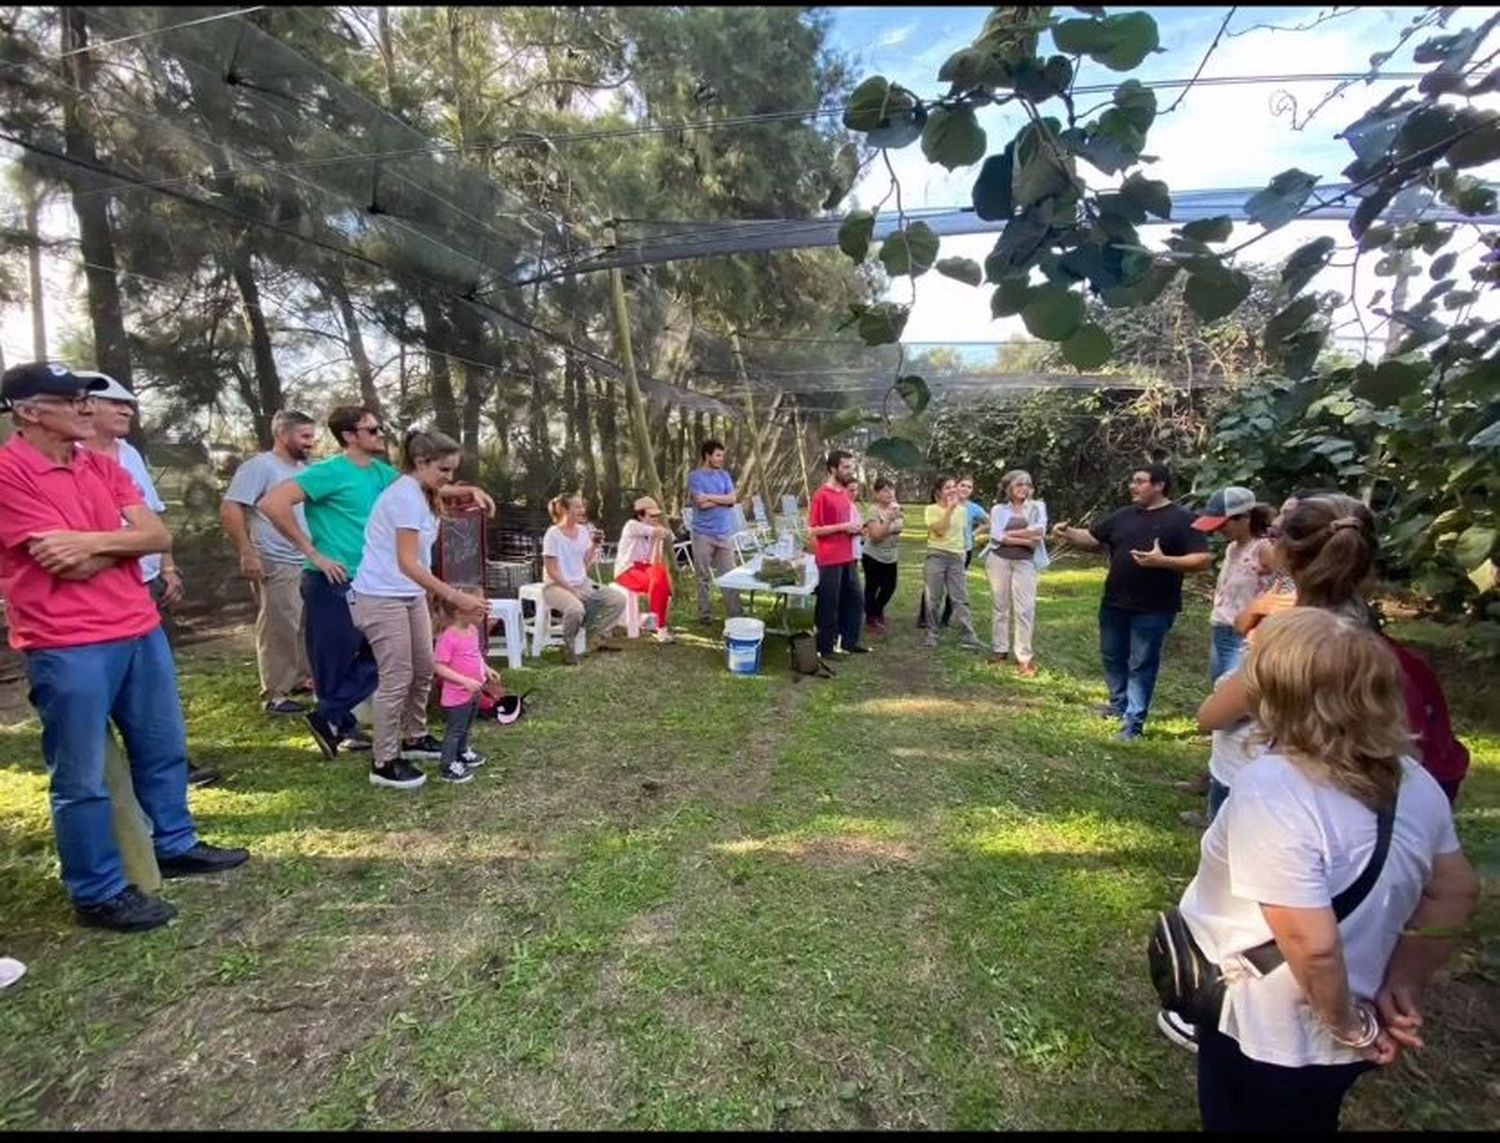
(425, 747)
(201, 775)
(202, 858)
(455, 772)
(472, 759)
(859, 650)
(1178, 1030)
(323, 735)
(354, 737)
(284, 706)
(399, 775)
(128, 911)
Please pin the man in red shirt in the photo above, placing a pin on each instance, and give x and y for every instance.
(72, 526)
(833, 523)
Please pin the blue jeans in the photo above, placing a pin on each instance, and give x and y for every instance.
(1130, 648)
(1225, 650)
(343, 666)
(76, 692)
(1217, 793)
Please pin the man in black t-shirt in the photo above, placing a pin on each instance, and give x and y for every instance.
(1151, 544)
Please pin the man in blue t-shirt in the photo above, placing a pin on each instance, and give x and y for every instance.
(711, 497)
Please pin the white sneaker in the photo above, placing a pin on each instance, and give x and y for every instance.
(663, 635)
(1178, 1030)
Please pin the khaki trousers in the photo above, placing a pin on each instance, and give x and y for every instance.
(1012, 593)
(602, 613)
(280, 646)
(713, 554)
(399, 631)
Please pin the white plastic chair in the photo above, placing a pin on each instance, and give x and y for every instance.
(637, 613)
(543, 630)
(746, 544)
(511, 642)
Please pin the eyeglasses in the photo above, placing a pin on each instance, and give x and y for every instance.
(78, 401)
(373, 430)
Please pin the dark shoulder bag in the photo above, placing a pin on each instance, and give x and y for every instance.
(805, 658)
(1192, 986)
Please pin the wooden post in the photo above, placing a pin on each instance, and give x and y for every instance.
(801, 451)
(757, 477)
(645, 453)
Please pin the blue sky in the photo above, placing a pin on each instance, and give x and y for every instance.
(1218, 137)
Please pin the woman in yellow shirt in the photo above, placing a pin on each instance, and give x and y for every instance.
(944, 566)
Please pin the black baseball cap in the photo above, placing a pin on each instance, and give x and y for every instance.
(45, 379)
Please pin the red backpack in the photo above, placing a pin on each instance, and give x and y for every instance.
(1442, 754)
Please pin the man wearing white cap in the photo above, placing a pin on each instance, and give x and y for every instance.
(114, 407)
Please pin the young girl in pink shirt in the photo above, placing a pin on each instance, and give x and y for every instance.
(458, 660)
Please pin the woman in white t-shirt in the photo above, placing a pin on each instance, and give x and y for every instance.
(1300, 828)
(388, 601)
(568, 552)
(1327, 544)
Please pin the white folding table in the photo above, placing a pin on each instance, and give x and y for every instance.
(744, 578)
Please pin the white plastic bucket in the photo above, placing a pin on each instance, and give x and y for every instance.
(742, 643)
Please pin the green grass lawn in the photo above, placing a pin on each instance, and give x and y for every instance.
(915, 895)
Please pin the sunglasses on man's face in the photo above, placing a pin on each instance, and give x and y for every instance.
(373, 430)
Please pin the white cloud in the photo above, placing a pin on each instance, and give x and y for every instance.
(895, 37)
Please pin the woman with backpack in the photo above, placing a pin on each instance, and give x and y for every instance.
(1327, 887)
(1327, 545)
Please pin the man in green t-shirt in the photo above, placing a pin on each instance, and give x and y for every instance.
(338, 495)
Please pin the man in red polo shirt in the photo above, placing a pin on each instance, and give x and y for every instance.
(833, 523)
(72, 526)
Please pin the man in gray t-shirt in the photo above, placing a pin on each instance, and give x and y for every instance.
(270, 562)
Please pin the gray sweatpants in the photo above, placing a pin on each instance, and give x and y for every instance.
(946, 579)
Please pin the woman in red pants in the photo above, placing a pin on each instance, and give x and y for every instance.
(639, 565)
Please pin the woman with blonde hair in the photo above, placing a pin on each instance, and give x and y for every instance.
(569, 550)
(1327, 886)
(1018, 552)
(388, 601)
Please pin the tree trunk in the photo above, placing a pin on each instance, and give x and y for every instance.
(95, 237)
(34, 269)
(582, 415)
(609, 446)
(368, 396)
(645, 453)
(267, 379)
(439, 337)
(475, 378)
(387, 52)
(541, 435)
(502, 423)
(570, 402)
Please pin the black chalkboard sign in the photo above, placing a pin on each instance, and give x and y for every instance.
(461, 549)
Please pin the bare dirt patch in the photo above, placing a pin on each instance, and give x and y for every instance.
(256, 1054)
